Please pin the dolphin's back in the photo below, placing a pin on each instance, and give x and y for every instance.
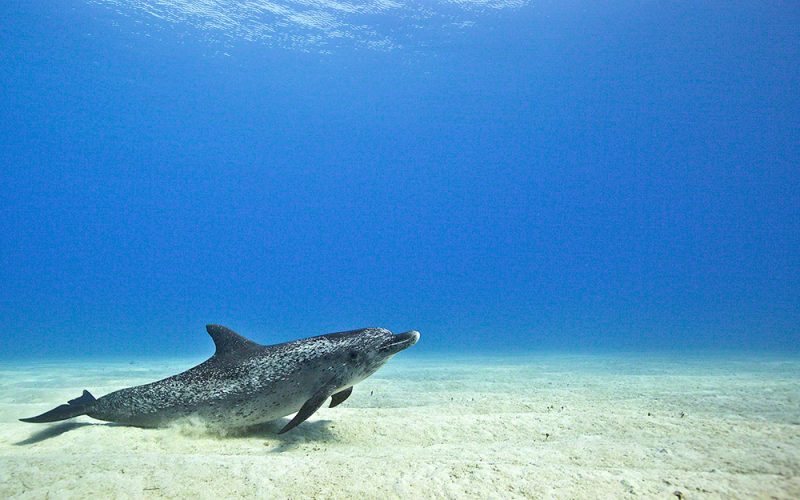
(251, 387)
(201, 389)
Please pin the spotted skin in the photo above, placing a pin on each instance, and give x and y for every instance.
(245, 383)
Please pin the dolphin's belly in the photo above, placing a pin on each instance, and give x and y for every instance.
(244, 412)
(231, 404)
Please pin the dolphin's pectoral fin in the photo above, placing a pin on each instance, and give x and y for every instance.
(308, 409)
(341, 396)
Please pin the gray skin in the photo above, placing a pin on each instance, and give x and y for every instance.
(245, 383)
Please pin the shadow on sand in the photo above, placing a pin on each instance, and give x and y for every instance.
(51, 432)
(317, 430)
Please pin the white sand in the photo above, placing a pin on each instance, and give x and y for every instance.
(432, 427)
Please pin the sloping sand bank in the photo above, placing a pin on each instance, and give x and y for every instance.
(551, 426)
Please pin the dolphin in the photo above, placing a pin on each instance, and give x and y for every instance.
(245, 383)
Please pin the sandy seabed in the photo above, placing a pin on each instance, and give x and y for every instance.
(538, 426)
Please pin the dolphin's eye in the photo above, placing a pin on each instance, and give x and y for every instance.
(353, 355)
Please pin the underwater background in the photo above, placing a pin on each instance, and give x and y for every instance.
(499, 175)
(590, 211)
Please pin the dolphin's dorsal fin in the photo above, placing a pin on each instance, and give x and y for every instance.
(227, 341)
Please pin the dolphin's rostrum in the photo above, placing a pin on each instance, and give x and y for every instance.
(245, 383)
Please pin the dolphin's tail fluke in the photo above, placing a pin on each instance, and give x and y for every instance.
(73, 408)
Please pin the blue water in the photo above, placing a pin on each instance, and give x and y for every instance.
(499, 175)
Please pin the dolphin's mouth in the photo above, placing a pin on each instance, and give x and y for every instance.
(397, 343)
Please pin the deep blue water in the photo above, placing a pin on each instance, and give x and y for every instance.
(500, 176)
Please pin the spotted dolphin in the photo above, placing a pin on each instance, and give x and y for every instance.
(245, 383)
